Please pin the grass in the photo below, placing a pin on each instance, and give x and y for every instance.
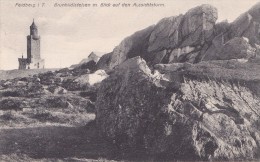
(54, 143)
(230, 70)
(11, 74)
(25, 158)
(40, 117)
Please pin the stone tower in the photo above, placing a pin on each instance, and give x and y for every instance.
(33, 60)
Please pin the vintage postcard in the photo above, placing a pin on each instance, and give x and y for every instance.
(129, 80)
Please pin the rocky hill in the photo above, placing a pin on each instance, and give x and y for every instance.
(187, 88)
(62, 97)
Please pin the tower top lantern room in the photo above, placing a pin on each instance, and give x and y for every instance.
(34, 31)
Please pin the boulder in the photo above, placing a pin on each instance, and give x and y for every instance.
(21, 83)
(46, 78)
(91, 79)
(198, 24)
(104, 61)
(192, 117)
(97, 77)
(58, 80)
(236, 48)
(166, 34)
(57, 89)
(7, 83)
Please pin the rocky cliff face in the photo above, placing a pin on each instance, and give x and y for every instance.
(192, 37)
(187, 88)
(135, 45)
(189, 112)
(247, 26)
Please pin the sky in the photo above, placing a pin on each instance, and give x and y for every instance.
(69, 34)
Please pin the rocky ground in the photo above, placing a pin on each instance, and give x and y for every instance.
(59, 97)
(187, 88)
(43, 117)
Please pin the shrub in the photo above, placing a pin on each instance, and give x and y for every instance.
(10, 94)
(45, 116)
(7, 116)
(10, 104)
(56, 102)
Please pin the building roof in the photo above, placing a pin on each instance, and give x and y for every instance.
(33, 25)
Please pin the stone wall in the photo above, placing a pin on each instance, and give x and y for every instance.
(33, 49)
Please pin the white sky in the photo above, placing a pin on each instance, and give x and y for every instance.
(69, 34)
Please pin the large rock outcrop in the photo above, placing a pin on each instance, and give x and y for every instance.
(191, 37)
(199, 111)
(156, 43)
(191, 29)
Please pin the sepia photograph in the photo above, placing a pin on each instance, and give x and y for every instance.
(129, 80)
